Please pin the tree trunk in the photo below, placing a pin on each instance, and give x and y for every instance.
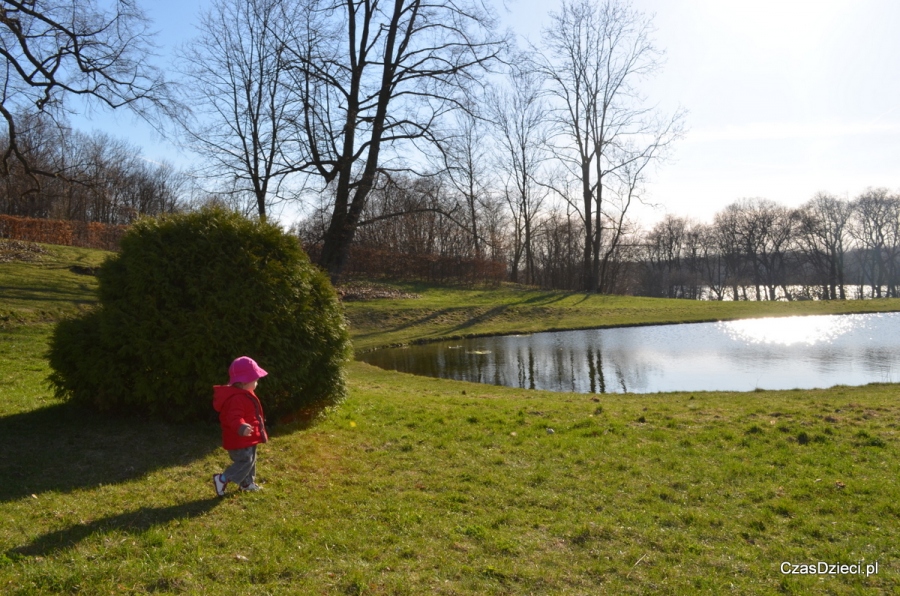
(339, 237)
(587, 279)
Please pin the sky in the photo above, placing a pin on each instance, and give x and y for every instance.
(784, 98)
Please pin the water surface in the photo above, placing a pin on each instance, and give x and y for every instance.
(772, 353)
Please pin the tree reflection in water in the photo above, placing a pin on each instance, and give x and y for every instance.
(783, 353)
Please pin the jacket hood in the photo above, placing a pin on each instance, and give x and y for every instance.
(221, 394)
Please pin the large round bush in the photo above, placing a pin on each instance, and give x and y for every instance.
(185, 296)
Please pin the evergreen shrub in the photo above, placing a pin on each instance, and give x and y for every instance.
(185, 296)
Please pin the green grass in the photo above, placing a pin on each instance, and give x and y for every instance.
(425, 486)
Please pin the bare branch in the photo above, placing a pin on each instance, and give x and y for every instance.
(56, 49)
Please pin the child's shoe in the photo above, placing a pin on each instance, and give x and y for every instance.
(252, 487)
(219, 484)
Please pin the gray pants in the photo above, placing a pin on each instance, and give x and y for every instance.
(243, 470)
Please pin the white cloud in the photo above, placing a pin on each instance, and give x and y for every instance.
(771, 131)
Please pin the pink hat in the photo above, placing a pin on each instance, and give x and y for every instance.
(244, 370)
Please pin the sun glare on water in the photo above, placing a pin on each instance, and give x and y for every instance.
(788, 330)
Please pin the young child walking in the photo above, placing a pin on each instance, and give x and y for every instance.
(243, 424)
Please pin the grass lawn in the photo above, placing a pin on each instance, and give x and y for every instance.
(425, 486)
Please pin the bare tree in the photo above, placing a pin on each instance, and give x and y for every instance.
(729, 235)
(710, 262)
(557, 246)
(876, 228)
(466, 162)
(376, 77)
(683, 259)
(409, 216)
(56, 49)
(823, 239)
(235, 81)
(42, 143)
(624, 186)
(519, 117)
(778, 225)
(761, 234)
(107, 180)
(596, 55)
(663, 252)
(493, 223)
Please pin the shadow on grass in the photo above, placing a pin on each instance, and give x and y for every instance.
(64, 448)
(42, 294)
(413, 323)
(584, 298)
(547, 299)
(483, 317)
(132, 522)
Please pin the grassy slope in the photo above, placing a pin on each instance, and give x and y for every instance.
(47, 289)
(418, 485)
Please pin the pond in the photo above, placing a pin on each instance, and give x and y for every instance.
(772, 353)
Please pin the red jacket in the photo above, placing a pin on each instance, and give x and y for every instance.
(236, 407)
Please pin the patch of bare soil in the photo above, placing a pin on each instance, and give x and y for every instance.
(19, 250)
(358, 291)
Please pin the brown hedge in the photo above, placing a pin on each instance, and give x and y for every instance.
(369, 263)
(66, 233)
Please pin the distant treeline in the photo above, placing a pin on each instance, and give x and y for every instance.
(830, 248)
(97, 178)
(754, 249)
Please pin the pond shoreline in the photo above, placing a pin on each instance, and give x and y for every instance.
(775, 353)
(358, 353)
